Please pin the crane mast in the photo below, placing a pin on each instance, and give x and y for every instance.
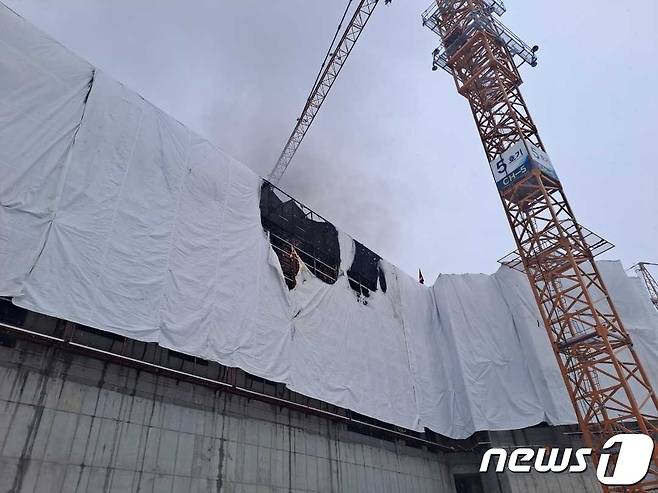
(606, 382)
(323, 84)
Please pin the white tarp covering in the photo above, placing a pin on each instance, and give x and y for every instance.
(115, 215)
(42, 93)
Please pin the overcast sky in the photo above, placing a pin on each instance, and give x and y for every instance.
(393, 157)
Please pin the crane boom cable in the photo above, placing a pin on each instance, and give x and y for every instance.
(323, 85)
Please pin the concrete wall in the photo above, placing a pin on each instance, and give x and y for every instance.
(565, 482)
(552, 483)
(72, 423)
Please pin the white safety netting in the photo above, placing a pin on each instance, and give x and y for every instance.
(116, 216)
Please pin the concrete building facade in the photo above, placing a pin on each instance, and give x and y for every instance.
(76, 423)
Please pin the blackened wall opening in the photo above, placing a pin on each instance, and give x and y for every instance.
(366, 271)
(297, 233)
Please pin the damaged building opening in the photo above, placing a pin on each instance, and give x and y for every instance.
(366, 271)
(297, 234)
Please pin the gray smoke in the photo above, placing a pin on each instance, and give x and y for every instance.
(393, 158)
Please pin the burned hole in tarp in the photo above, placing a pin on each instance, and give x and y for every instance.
(297, 233)
(366, 271)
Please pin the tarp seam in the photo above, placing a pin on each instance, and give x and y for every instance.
(174, 229)
(63, 176)
(106, 249)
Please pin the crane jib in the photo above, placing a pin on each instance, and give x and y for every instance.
(323, 85)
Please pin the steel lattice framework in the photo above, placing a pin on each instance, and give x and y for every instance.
(649, 281)
(606, 382)
(323, 85)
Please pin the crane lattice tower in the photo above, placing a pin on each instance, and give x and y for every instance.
(606, 382)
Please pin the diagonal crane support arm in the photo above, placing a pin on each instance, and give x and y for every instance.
(323, 85)
(649, 281)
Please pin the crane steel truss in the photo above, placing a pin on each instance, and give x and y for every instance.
(323, 85)
(606, 382)
(649, 281)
